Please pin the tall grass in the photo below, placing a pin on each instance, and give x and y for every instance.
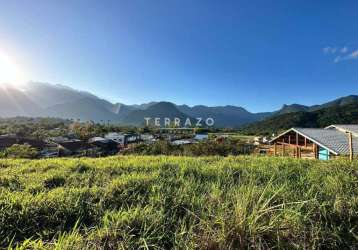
(161, 202)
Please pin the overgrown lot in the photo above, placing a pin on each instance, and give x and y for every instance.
(157, 202)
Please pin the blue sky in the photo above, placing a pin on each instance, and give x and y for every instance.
(255, 54)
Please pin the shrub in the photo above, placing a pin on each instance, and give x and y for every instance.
(21, 151)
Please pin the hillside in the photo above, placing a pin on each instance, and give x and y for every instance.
(46, 95)
(338, 102)
(14, 102)
(48, 100)
(224, 116)
(178, 203)
(37, 99)
(158, 110)
(336, 114)
(44, 99)
(85, 109)
(291, 108)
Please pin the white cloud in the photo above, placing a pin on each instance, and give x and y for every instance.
(354, 55)
(329, 50)
(338, 59)
(351, 56)
(341, 53)
(344, 50)
(335, 50)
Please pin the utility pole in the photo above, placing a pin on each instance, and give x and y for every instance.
(350, 140)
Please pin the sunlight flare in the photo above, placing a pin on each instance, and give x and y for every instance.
(10, 73)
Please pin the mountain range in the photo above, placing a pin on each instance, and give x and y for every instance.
(38, 99)
(340, 112)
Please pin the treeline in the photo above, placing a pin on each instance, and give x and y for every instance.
(347, 114)
(33, 127)
(42, 128)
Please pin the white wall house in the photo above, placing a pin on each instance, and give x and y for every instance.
(201, 137)
(117, 137)
(147, 137)
(122, 138)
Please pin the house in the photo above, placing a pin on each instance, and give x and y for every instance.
(58, 139)
(147, 137)
(201, 137)
(35, 143)
(122, 138)
(346, 128)
(319, 143)
(117, 137)
(105, 146)
(73, 147)
(265, 140)
(257, 140)
(183, 142)
(260, 140)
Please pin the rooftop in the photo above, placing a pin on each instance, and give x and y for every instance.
(334, 138)
(353, 128)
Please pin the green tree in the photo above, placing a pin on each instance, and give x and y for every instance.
(21, 151)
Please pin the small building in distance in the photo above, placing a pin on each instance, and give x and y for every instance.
(183, 142)
(147, 138)
(104, 146)
(73, 147)
(201, 136)
(122, 138)
(318, 143)
(258, 140)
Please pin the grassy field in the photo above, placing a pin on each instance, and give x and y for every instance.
(178, 202)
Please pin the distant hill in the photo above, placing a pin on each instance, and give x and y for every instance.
(14, 102)
(121, 109)
(224, 116)
(338, 102)
(298, 107)
(85, 109)
(158, 110)
(322, 117)
(46, 95)
(47, 100)
(292, 108)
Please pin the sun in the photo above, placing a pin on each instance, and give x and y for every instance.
(10, 73)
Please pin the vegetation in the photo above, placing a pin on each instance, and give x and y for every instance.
(346, 114)
(42, 128)
(38, 128)
(206, 148)
(20, 151)
(142, 202)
